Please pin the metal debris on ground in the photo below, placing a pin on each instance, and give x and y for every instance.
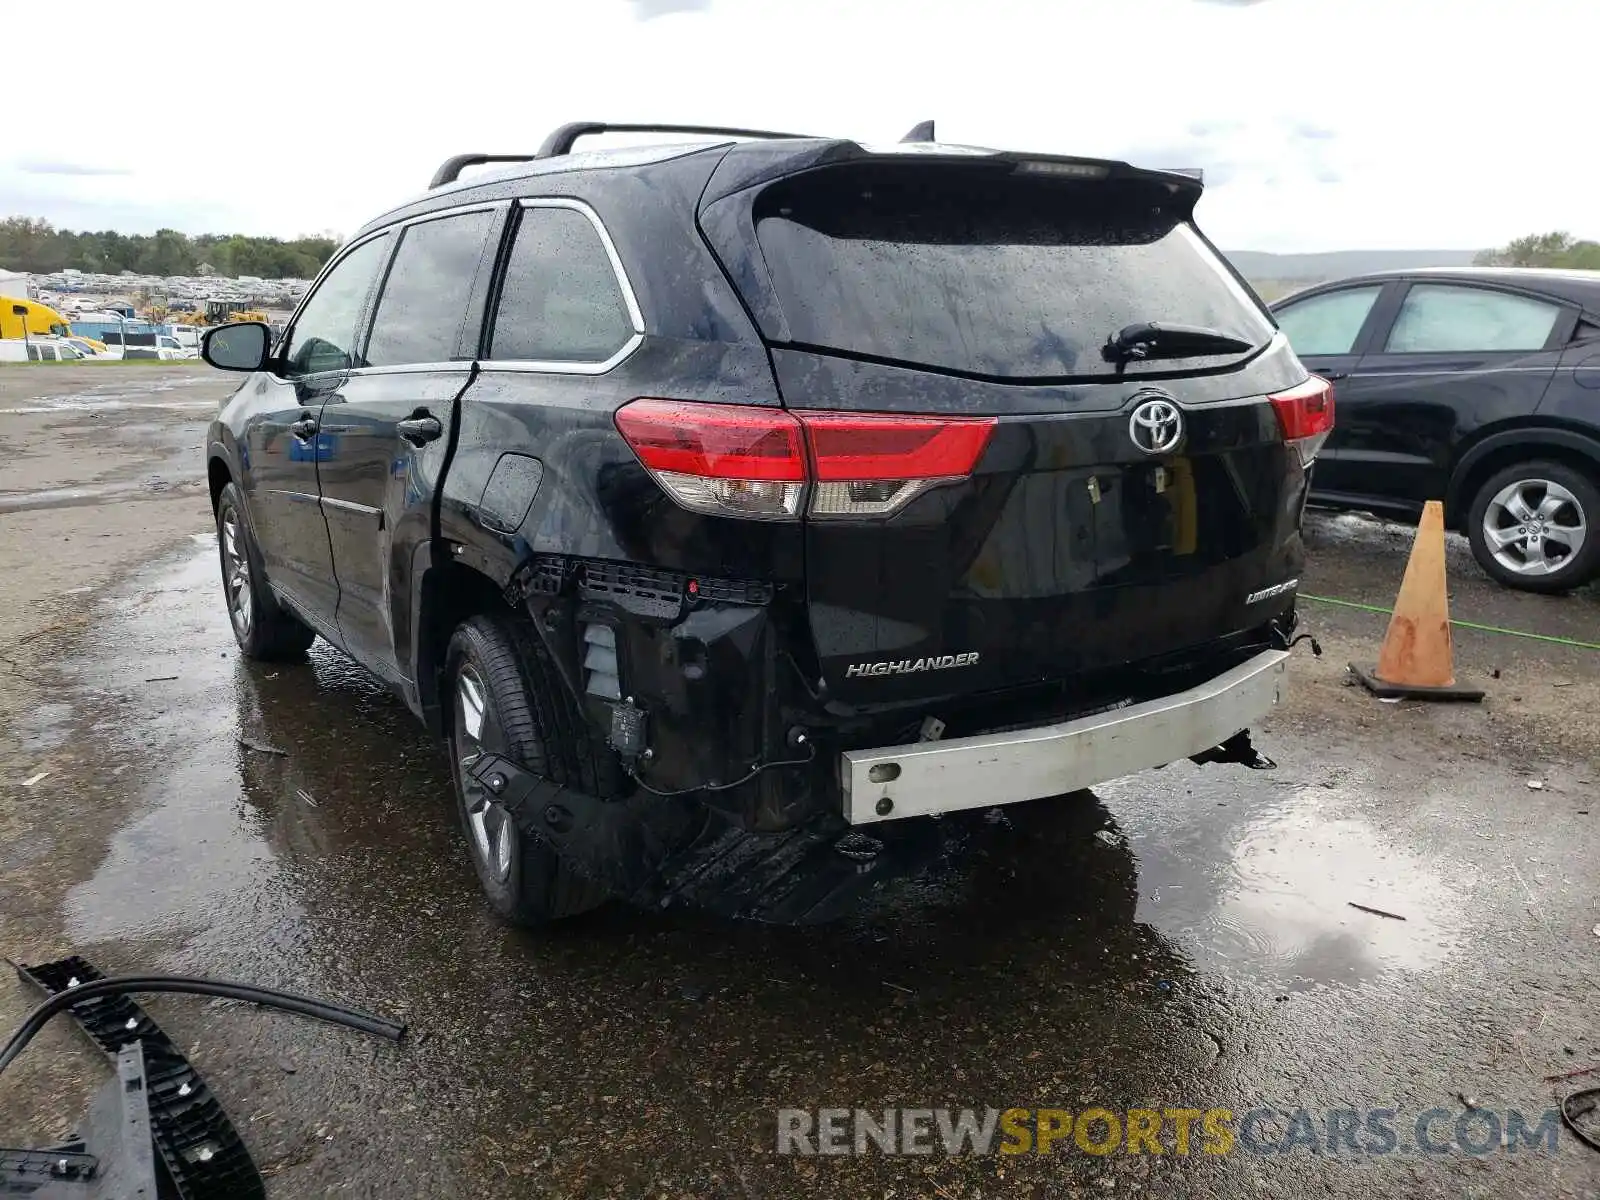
(157, 1105)
(1377, 912)
(261, 747)
(1589, 1070)
(1536, 785)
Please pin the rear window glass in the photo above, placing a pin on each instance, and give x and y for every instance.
(561, 301)
(985, 274)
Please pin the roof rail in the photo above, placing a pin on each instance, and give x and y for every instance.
(561, 141)
(451, 170)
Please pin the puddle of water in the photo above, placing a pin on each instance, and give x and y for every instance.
(126, 393)
(89, 494)
(43, 727)
(1262, 884)
(80, 405)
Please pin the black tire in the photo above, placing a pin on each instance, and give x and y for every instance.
(1574, 568)
(529, 717)
(264, 629)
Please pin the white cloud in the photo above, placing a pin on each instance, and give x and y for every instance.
(1321, 124)
(648, 9)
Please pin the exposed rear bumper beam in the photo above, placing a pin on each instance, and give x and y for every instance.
(923, 778)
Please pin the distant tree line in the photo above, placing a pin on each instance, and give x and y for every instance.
(38, 247)
(1544, 250)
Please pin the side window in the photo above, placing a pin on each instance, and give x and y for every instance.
(1329, 323)
(1441, 317)
(561, 301)
(425, 296)
(324, 335)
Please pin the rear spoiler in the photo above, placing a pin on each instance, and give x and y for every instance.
(763, 163)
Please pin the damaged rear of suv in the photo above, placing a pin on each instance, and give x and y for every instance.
(704, 495)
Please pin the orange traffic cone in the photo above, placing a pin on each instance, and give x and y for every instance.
(1416, 659)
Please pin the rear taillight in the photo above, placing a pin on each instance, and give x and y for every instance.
(730, 459)
(1306, 414)
(868, 466)
(741, 461)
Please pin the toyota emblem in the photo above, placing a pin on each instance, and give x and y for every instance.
(1156, 426)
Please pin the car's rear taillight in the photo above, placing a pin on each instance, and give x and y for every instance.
(1306, 414)
(868, 465)
(744, 461)
(734, 460)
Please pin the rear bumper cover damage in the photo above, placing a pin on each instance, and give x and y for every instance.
(928, 778)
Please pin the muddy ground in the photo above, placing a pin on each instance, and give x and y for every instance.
(1200, 952)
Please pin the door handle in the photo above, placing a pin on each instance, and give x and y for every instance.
(304, 429)
(420, 428)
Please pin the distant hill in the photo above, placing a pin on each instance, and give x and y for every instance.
(1257, 264)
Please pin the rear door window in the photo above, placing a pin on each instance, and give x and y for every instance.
(424, 302)
(990, 274)
(562, 299)
(1442, 318)
(1329, 323)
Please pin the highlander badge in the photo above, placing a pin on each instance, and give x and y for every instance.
(910, 666)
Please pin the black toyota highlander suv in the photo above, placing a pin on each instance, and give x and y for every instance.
(700, 494)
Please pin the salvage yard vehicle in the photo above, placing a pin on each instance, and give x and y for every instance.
(766, 483)
(1476, 386)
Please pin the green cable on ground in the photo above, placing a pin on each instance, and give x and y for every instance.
(1523, 633)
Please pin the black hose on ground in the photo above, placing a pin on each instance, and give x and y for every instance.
(1570, 1113)
(118, 985)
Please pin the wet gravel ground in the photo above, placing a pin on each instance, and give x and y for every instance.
(1180, 939)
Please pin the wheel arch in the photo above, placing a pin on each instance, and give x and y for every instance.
(445, 594)
(1524, 444)
(219, 471)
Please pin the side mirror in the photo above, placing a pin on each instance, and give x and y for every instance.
(242, 347)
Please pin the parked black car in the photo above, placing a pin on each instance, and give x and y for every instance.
(771, 485)
(1476, 386)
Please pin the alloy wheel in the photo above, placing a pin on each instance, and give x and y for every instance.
(493, 834)
(236, 574)
(1534, 527)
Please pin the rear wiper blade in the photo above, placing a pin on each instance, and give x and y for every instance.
(1156, 340)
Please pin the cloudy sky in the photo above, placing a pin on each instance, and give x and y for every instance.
(1321, 124)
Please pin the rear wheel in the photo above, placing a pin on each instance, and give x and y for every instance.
(264, 629)
(1532, 526)
(505, 699)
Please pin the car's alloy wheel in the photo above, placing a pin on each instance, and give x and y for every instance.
(1535, 527)
(501, 694)
(494, 835)
(236, 574)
